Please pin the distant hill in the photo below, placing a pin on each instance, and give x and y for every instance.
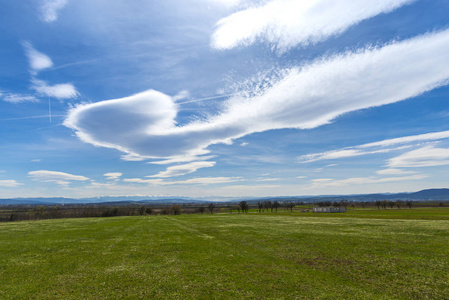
(424, 195)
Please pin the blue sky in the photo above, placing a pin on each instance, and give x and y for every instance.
(223, 98)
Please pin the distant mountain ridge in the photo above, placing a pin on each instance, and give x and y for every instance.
(423, 195)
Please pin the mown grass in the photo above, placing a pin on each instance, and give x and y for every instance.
(425, 213)
(224, 256)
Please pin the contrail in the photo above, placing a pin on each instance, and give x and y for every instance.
(208, 98)
(49, 103)
(30, 117)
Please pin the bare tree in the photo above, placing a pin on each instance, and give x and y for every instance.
(211, 207)
(237, 208)
(268, 205)
(176, 209)
(378, 203)
(276, 205)
(142, 210)
(409, 204)
(244, 206)
(290, 205)
(148, 210)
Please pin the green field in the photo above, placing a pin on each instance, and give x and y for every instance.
(229, 256)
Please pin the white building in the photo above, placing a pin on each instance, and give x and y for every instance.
(329, 209)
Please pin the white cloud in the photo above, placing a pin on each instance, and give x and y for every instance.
(325, 182)
(133, 157)
(199, 180)
(304, 98)
(410, 139)
(9, 183)
(181, 95)
(227, 3)
(181, 159)
(59, 91)
(38, 61)
(244, 144)
(343, 153)
(268, 179)
(287, 23)
(18, 98)
(60, 178)
(394, 172)
(427, 156)
(180, 170)
(113, 175)
(359, 150)
(49, 9)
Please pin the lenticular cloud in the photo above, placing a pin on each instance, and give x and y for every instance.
(145, 124)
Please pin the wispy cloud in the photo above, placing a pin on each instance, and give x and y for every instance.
(49, 9)
(181, 95)
(9, 183)
(113, 175)
(38, 61)
(268, 179)
(303, 98)
(199, 180)
(61, 91)
(428, 156)
(376, 147)
(287, 23)
(60, 178)
(18, 98)
(325, 182)
(227, 3)
(180, 170)
(181, 159)
(394, 172)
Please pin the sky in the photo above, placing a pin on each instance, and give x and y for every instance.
(231, 98)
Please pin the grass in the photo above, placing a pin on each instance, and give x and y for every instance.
(224, 256)
(425, 213)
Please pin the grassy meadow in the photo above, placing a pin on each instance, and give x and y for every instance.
(364, 254)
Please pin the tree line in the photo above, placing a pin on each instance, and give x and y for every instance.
(10, 213)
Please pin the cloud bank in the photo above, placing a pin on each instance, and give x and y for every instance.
(145, 124)
(287, 23)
